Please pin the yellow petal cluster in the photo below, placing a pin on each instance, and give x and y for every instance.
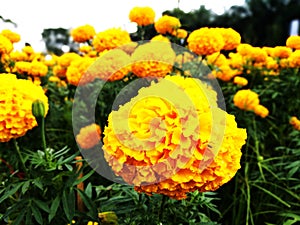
(143, 16)
(205, 41)
(16, 98)
(173, 142)
(167, 24)
(12, 36)
(5, 45)
(293, 42)
(83, 33)
(110, 39)
(89, 136)
(154, 58)
(295, 122)
(231, 37)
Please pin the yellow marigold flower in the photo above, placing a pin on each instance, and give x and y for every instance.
(83, 33)
(66, 59)
(59, 71)
(163, 142)
(217, 59)
(205, 41)
(16, 98)
(261, 111)
(271, 63)
(246, 99)
(293, 42)
(160, 37)
(18, 56)
(241, 81)
(5, 45)
(268, 50)
(281, 52)
(231, 37)
(153, 59)
(295, 122)
(143, 16)
(180, 33)
(12, 36)
(85, 48)
(111, 66)
(258, 55)
(38, 69)
(89, 136)
(77, 70)
(294, 59)
(236, 60)
(225, 72)
(167, 24)
(28, 50)
(23, 67)
(244, 49)
(110, 39)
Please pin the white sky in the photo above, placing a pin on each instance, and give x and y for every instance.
(32, 16)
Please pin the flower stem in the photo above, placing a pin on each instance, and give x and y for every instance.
(20, 156)
(43, 135)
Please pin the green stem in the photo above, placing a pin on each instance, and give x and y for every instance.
(43, 135)
(20, 156)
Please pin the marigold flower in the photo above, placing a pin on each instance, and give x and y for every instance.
(160, 37)
(261, 111)
(154, 58)
(111, 66)
(231, 37)
(246, 99)
(89, 136)
(205, 41)
(225, 72)
(85, 48)
(77, 69)
(167, 24)
(16, 98)
(83, 33)
(143, 16)
(294, 59)
(18, 56)
(28, 50)
(180, 33)
(241, 81)
(12, 36)
(111, 38)
(281, 52)
(5, 45)
(293, 42)
(38, 69)
(66, 59)
(295, 122)
(163, 142)
(217, 59)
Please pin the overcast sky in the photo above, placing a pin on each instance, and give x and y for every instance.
(32, 16)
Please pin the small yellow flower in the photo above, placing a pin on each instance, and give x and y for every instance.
(5, 45)
(83, 33)
(12, 36)
(89, 136)
(167, 24)
(293, 42)
(143, 16)
(241, 81)
(261, 111)
(295, 122)
(246, 99)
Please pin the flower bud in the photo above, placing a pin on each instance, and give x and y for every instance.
(38, 109)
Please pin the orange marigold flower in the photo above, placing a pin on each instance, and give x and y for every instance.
(217, 59)
(225, 72)
(294, 59)
(154, 58)
(89, 136)
(246, 99)
(295, 122)
(16, 98)
(77, 69)
(5, 45)
(241, 81)
(83, 33)
(261, 111)
(85, 48)
(281, 52)
(293, 42)
(143, 16)
(38, 69)
(173, 143)
(180, 33)
(205, 41)
(167, 24)
(111, 66)
(66, 59)
(231, 37)
(111, 38)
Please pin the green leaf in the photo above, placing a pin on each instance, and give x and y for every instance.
(53, 208)
(92, 208)
(88, 190)
(42, 205)
(11, 191)
(25, 186)
(68, 201)
(82, 179)
(20, 217)
(37, 214)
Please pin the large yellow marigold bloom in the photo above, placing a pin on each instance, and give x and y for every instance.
(16, 98)
(167, 24)
(294, 59)
(173, 142)
(89, 136)
(246, 99)
(205, 41)
(154, 59)
(111, 38)
(12, 36)
(83, 33)
(143, 16)
(231, 37)
(111, 66)
(5, 45)
(293, 42)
